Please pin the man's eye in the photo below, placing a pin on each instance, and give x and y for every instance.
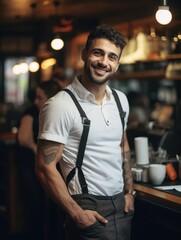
(113, 58)
(97, 53)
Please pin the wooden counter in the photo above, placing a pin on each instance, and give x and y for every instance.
(8, 138)
(158, 196)
(157, 214)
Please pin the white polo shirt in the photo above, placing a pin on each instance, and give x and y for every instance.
(60, 121)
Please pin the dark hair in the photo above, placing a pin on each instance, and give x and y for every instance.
(50, 87)
(106, 32)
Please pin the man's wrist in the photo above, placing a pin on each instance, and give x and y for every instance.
(130, 192)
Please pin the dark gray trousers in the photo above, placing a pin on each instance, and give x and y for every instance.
(112, 208)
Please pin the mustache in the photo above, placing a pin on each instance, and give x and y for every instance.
(101, 66)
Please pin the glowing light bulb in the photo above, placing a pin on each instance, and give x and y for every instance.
(163, 15)
(57, 43)
(48, 63)
(34, 66)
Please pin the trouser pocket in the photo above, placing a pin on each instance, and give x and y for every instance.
(96, 231)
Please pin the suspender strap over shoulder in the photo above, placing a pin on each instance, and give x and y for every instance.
(120, 109)
(82, 146)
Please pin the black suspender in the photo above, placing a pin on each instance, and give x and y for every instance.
(120, 109)
(83, 140)
(82, 145)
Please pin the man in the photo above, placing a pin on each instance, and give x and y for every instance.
(98, 197)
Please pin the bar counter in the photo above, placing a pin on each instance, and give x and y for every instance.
(170, 198)
(157, 213)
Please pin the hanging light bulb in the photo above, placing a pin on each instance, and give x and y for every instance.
(57, 43)
(34, 66)
(163, 15)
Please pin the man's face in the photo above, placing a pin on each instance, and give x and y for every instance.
(101, 60)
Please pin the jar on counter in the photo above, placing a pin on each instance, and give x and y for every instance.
(137, 174)
(145, 177)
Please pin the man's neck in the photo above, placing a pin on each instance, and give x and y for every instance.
(97, 90)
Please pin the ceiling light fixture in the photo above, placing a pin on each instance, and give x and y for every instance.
(57, 43)
(163, 15)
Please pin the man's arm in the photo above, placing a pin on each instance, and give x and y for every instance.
(48, 155)
(127, 174)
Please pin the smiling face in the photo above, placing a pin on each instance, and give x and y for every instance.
(101, 60)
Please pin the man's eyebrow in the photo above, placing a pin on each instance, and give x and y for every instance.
(97, 49)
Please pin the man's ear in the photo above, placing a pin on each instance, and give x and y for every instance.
(83, 55)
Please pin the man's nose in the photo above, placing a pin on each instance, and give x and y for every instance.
(103, 60)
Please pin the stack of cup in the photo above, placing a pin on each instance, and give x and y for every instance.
(141, 151)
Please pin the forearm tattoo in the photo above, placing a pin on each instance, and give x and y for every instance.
(127, 174)
(50, 150)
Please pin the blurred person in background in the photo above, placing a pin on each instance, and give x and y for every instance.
(62, 77)
(32, 195)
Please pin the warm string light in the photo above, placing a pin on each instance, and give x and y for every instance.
(24, 67)
(34, 66)
(20, 68)
(48, 63)
(163, 15)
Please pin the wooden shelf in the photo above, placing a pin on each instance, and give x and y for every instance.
(157, 59)
(169, 57)
(146, 74)
(142, 69)
(165, 58)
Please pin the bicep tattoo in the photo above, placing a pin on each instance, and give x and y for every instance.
(50, 150)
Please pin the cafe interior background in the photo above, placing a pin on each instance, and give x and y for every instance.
(149, 73)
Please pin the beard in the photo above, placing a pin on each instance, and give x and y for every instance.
(96, 79)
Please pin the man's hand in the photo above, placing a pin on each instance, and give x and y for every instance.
(129, 202)
(88, 218)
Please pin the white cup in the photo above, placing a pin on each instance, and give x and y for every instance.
(156, 173)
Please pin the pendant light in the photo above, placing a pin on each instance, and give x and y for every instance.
(57, 43)
(163, 14)
(34, 65)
